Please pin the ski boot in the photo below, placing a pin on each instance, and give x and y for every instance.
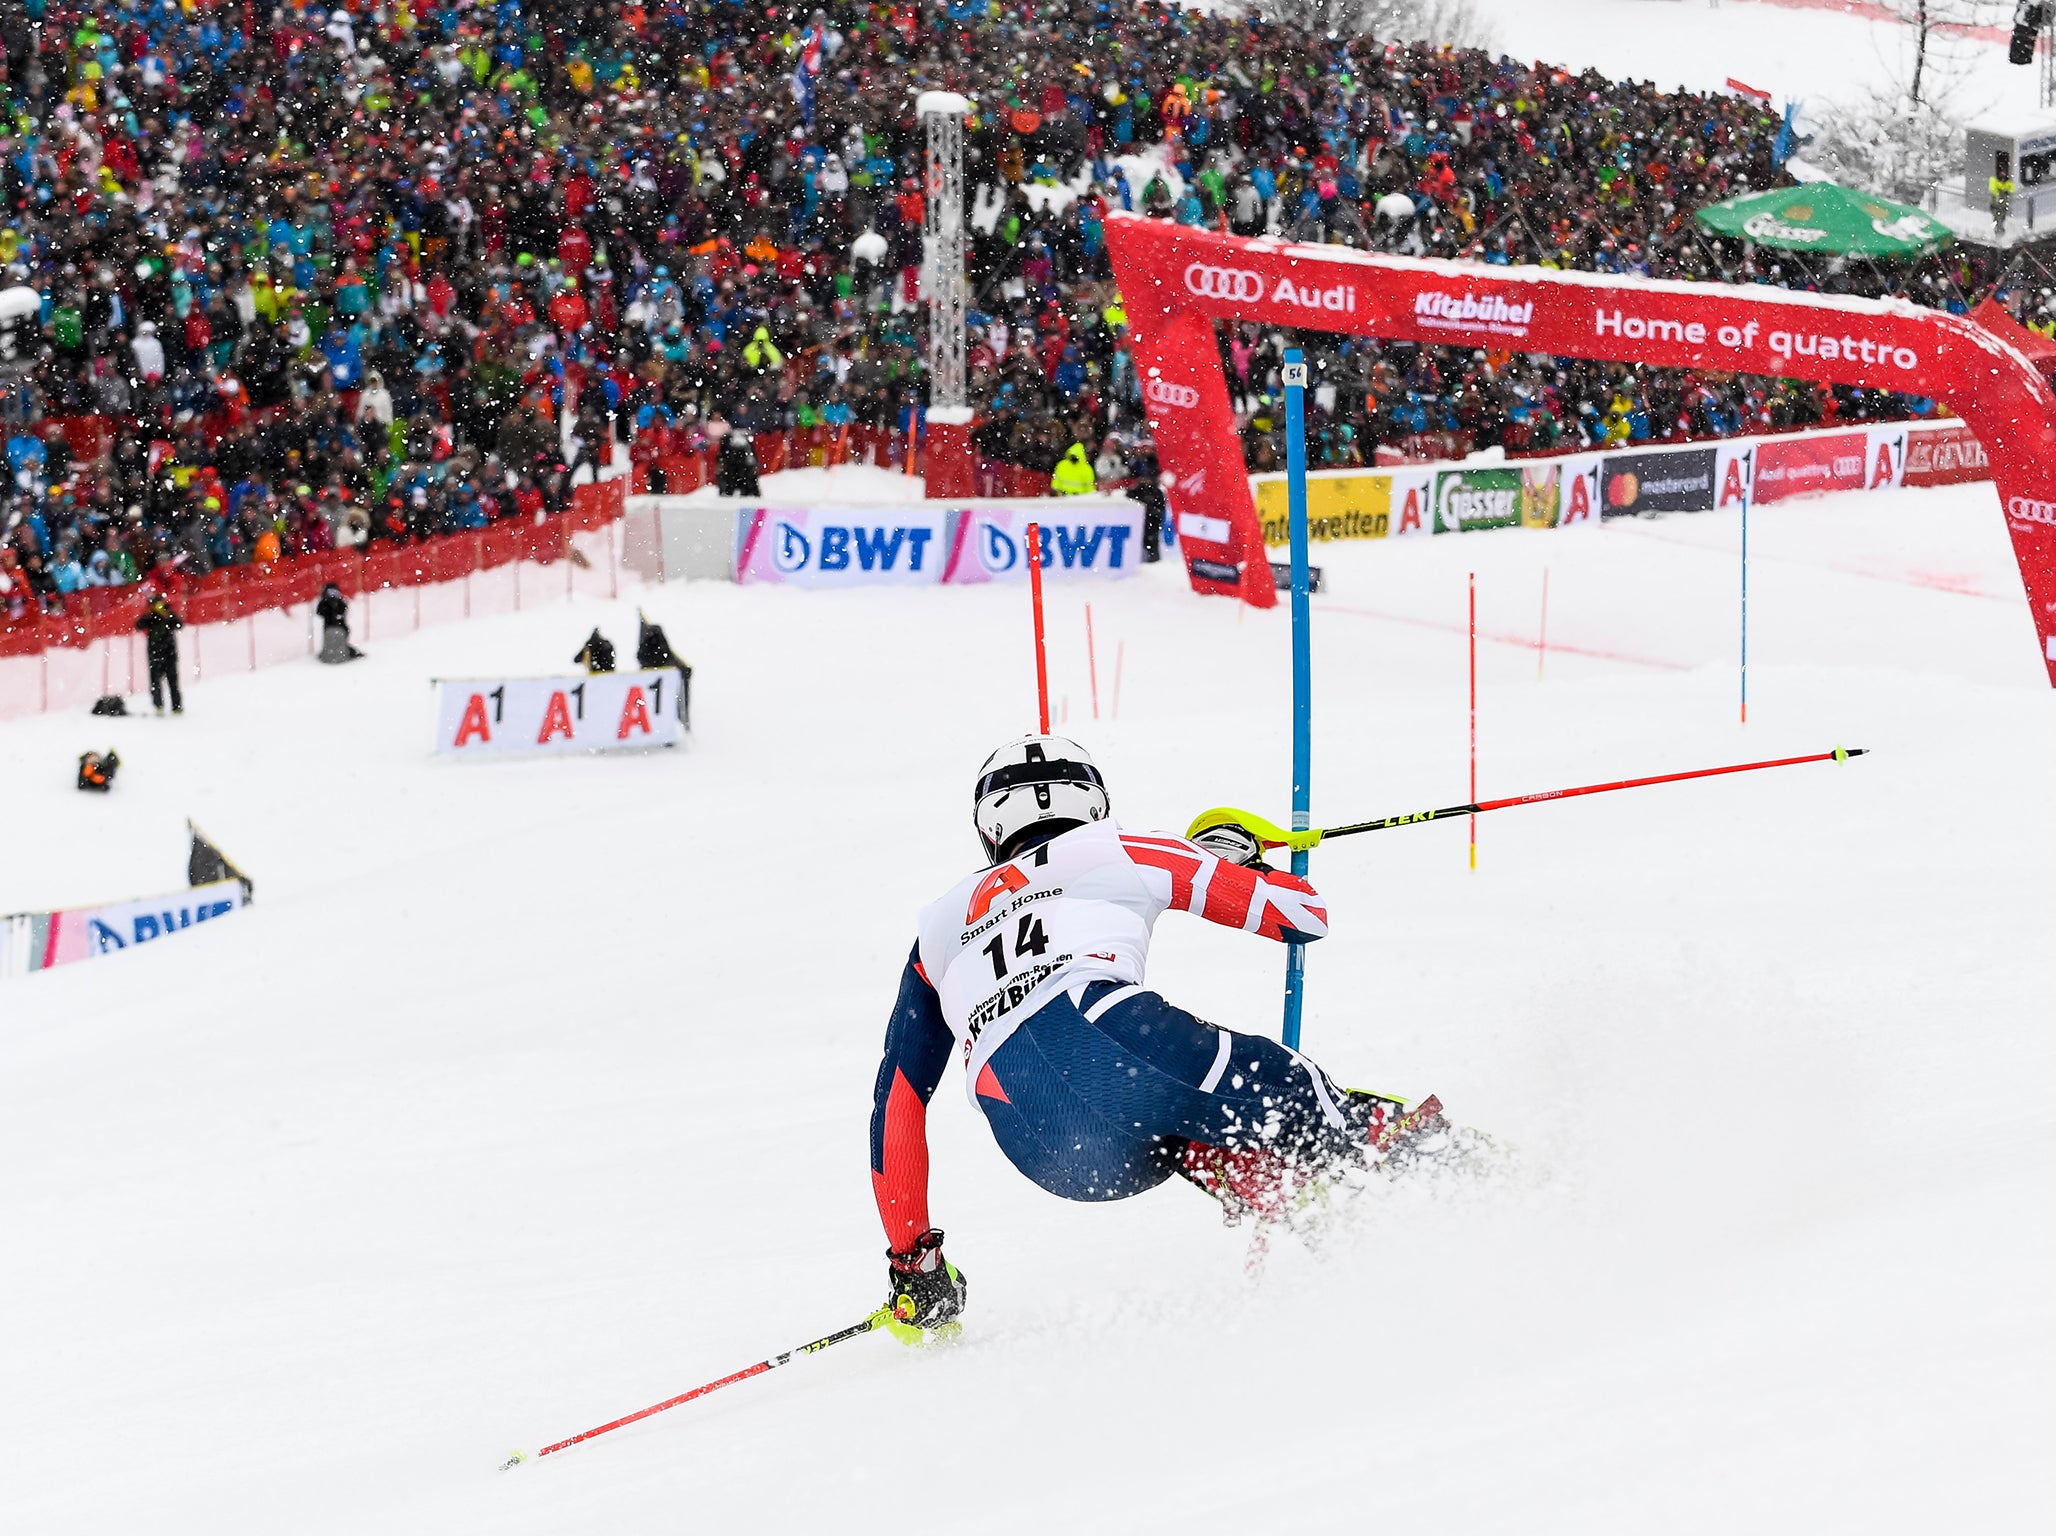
(1397, 1137)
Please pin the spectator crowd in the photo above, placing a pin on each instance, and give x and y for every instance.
(403, 267)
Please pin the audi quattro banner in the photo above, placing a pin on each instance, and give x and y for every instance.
(604, 712)
(842, 546)
(35, 941)
(1080, 536)
(1177, 281)
(1805, 466)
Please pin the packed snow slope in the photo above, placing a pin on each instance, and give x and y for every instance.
(532, 1092)
(1811, 51)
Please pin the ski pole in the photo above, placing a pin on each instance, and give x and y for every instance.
(1274, 836)
(875, 1321)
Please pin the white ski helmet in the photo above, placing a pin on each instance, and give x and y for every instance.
(1036, 782)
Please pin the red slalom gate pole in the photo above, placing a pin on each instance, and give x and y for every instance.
(1041, 653)
(1091, 661)
(874, 1321)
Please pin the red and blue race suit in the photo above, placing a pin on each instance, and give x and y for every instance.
(1030, 975)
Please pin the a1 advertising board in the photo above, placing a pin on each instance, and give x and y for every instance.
(1413, 502)
(1470, 499)
(1807, 466)
(34, 941)
(1580, 490)
(605, 712)
(1734, 475)
(1658, 482)
(1885, 448)
(1078, 538)
(843, 546)
(1945, 456)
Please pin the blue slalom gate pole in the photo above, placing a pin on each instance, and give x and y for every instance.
(1302, 665)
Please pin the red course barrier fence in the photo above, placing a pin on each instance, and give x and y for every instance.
(245, 616)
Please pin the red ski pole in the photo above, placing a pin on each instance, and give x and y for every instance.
(876, 1320)
(1839, 754)
(1274, 836)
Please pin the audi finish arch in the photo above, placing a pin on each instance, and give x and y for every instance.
(1176, 282)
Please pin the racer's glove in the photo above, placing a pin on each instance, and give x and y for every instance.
(1235, 843)
(927, 1290)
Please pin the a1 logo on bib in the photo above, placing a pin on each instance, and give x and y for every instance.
(997, 883)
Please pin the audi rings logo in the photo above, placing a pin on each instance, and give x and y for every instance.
(1164, 392)
(1238, 285)
(2029, 510)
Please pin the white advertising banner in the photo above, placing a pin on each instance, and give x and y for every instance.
(35, 941)
(1734, 476)
(1413, 502)
(1885, 456)
(1577, 493)
(606, 712)
(1081, 536)
(843, 546)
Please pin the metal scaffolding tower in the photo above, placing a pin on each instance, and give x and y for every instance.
(2048, 58)
(943, 112)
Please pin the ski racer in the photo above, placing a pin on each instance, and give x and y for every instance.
(1028, 974)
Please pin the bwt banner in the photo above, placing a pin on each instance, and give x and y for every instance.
(923, 545)
(842, 546)
(35, 941)
(605, 712)
(1096, 538)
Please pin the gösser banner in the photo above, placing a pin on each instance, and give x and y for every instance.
(605, 712)
(35, 941)
(870, 546)
(1176, 282)
(1467, 499)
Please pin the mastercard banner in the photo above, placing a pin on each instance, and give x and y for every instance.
(1633, 483)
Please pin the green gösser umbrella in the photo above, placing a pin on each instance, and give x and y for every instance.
(1827, 218)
